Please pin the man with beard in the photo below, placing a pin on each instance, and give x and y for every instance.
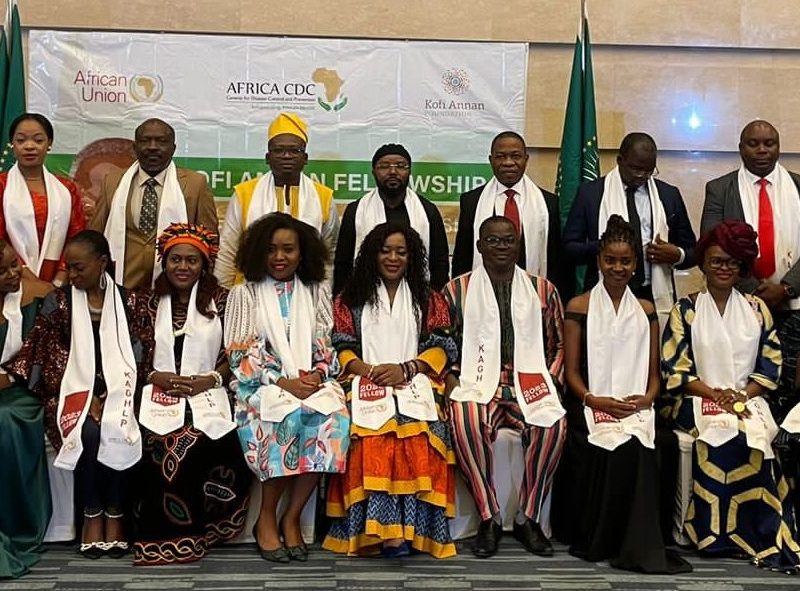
(392, 200)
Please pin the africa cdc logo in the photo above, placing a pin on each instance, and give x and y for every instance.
(455, 81)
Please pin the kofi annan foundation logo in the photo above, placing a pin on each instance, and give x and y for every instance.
(332, 83)
(146, 89)
(455, 81)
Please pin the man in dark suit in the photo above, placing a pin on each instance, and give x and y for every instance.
(536, 209)
(392, 200)
(636, 167)
(767, 196)
(759, 148)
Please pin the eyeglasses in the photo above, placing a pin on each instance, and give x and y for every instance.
(717, 263)
(643, 174)
(495, 241)
(291, 152)
(399, 166)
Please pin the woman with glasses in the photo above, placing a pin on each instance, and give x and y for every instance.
(391, 332)
(609, 475)
(722, 360)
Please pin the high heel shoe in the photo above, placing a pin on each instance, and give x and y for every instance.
(93, 550)
(280, 554)
(115, 548)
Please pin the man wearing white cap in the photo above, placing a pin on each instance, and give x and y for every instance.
(285, 188)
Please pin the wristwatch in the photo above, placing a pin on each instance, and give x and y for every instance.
(739, 407)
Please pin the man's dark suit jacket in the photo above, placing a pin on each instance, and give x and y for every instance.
(582, 243)
(465, 241)
(723, 202)
(438, 251)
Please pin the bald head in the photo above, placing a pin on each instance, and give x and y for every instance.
(759, 147)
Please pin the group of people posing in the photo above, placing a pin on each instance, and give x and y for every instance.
(168, 365)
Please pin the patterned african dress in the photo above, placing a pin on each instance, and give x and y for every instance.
(25, 491)
(192, 491)
(740, 503)
(400, 479)
(305, 441)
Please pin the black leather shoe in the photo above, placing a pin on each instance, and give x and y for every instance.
(532, 538)
(487, 539)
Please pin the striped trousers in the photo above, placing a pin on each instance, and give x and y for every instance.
(474, 427)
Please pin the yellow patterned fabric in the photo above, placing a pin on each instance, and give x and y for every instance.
(740, 500)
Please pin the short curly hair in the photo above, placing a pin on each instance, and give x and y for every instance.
(256, 241)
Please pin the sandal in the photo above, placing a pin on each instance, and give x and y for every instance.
(93, 550)
(115, 548)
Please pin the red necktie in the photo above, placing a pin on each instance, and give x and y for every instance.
(511, 210)
(764, 265)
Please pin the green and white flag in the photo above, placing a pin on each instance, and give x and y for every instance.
(578, 161)
(12, 79)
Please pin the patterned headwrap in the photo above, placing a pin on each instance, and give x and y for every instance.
(195, 235)
(736, 238)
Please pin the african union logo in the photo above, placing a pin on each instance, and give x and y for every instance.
(455, 81)
(146, 89)
(330, 80)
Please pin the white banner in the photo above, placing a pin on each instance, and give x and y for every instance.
(443, 101)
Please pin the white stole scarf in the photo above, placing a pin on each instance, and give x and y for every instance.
(264, 201)
(533, 216)
(294, 350)
(785, 214)
(618, 359)
(371, 211)
(725, 349)
(171, 208)
(615, 202)
(373, 405)
(480, 356)
(120, 439)
(21, 222)
(13, 315)
(211, 410)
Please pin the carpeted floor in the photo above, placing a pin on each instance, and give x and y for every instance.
(239, 568)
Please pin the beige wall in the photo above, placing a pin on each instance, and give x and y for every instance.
(656, 63)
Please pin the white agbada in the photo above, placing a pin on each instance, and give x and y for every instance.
(618, 360)
(371, 211)
(171, 209)
(211, 410)
(264, 201)
(480, 357)
(725, 348)
(786, 213)
(294, 350)
(533, 216)
(21, 222)
(615, 202)
(120, 438)
(373, 405)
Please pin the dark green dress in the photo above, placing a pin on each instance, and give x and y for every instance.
(25, 491)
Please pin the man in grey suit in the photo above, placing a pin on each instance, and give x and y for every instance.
(767, 196)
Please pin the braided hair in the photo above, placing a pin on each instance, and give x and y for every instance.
(618, 230)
